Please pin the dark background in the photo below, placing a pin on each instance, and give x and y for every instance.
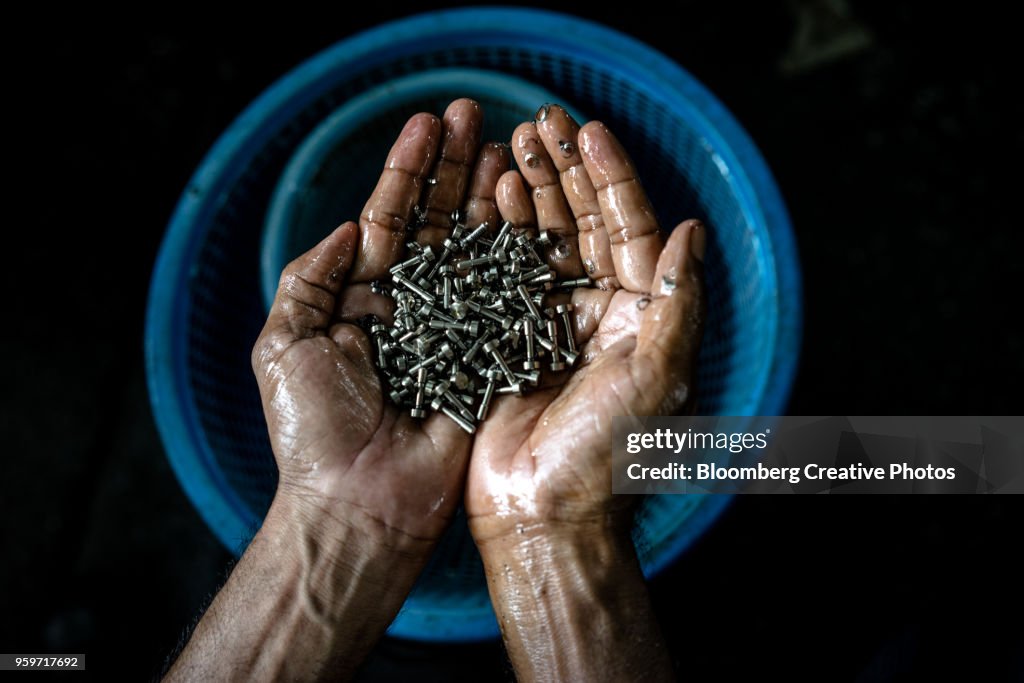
(892, 154)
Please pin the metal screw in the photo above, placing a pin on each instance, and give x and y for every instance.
(485, 403)
(572, 284)
(556, 362)
(563, 311)
(414, 288)
(531, 362)
(421, 382)
(477, 294)
(477, 233)
(503, 233)
(439, 404)
(491, 347)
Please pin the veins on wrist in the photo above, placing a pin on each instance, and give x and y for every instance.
(334, 518)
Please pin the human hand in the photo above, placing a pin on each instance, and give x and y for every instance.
(364, 489)
(542, 462)
(341, 447)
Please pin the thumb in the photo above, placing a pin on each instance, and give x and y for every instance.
(672, 323)
(309, 287)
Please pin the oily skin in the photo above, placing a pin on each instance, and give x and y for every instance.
(336, 439)
(365, 491)
(561, 568)
(547, 455)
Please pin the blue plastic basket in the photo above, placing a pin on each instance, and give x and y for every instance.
(206, 307)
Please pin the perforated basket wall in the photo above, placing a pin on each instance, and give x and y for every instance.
(206, 309)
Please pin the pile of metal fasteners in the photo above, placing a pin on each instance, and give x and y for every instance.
(471, 322)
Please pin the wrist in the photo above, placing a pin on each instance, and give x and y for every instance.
(501, 531)
(572, 603)
(307, 600)
(598, 542)
(543, 568)
(339, 556)
(326, 519)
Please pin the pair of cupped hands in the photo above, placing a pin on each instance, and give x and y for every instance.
(540, 465)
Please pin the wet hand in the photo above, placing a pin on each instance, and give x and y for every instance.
(543, 461)
(343, 451)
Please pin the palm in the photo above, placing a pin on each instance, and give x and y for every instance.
(560, 435)
(547, 455)
(333, 432)
(335, 435)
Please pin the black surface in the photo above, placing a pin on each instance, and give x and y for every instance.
(899, 165)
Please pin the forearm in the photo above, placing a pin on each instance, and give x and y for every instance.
(573, 606)
(307, 601)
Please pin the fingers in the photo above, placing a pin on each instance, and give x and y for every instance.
(460, 131)
(559, 133)
(387, 212)
(481, 206)
(553, 214)
(514, 202)
(628, 217)
(671, 323)
(309, 286)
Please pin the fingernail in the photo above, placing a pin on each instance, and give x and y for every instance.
(698, 240)
(542, 113)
